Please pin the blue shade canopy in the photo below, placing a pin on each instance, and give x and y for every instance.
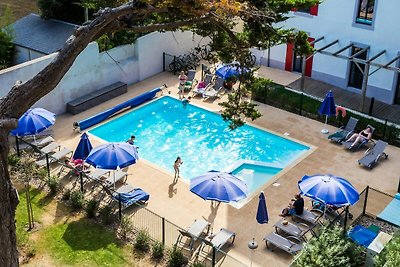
(328, 105)
(262, 213)
(112, 156)
(228, 70)
(34, 121)
(219, 186)
(329, 189)
(84, 147)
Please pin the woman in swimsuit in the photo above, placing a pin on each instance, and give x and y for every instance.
(365, 134)
(182, 80)
(178, 162)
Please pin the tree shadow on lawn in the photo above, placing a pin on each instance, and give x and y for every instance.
(87, 235)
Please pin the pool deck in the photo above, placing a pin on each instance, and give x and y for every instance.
(177, 204)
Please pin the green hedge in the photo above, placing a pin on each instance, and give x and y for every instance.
(267, 92)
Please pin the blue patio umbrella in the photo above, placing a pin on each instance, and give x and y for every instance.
(226, 71)
(84, 147)
(219, 186)
(34, 121)
(327, 108)
(262, 213)
(329, 189)
(112, 156)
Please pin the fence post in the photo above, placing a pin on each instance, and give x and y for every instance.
(398, 188)
(345, 218)
(48, 165)
(163, 230)
(119, 207)
(163, 61)
(384, 130)
(365, 200)
(202, 71)
(17, 145)
(371, 106)
(214, 252)
(265, 94)
(81, 177)
(301, 103)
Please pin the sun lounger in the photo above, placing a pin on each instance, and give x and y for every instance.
(41, 142)
(129, 195)
(298, 230)
(190, 81)
(206, 83)
(115, 177)
(54, 157)
(220, 239)
(372, 155)
(215, 89)
(198, 228)
(347, 144)
(97, 174)
(50, 148)
(341, 135)
(310, 217)
(284, 243)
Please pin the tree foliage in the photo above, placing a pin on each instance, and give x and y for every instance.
(6, 37)
(330, 249)
(65, 10)
(390, 256)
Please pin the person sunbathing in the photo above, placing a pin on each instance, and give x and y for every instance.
(357, 138)
(296, 206)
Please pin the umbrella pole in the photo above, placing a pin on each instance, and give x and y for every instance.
(17, 145)
(114, 178)
(119, 207)
(48, 164)
(81, 176)
(325, 131)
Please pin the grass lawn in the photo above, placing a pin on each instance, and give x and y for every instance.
(21, 215)
(84, 243)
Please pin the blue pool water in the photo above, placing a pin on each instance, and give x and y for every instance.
(165, 130)
(255, 175)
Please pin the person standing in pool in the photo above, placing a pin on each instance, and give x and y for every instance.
(178, 162)
(131, 140)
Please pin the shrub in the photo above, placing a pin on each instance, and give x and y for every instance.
(390, 255)
(330, 249)
(91, 208)
(198, 264)
(77, 200)
(42, 173)
(157, 250)
(126, 226)
(142, 241)
(53, 183)
(176, 258)
(66, 194)
(106, 215)
(13, 160)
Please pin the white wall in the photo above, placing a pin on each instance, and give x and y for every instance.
(23, 54)
(93, 70)
(336, 21)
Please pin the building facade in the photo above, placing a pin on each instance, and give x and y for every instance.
(342, 30)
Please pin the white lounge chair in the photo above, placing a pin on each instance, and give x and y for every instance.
(97, 174)
(115, 177)
(41, 142)
(284, 243)
(220, 239)
(50, 148)
(207, 81)
(215, 89)
(193, 233)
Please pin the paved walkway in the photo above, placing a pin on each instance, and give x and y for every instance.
(177, 204)
(342, 97)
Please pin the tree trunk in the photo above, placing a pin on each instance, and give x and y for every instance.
(8, 203)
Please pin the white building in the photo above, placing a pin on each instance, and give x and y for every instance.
(360, 29)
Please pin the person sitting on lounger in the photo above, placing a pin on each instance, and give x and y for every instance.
(76, 164)
(296, 206)
(358, 138)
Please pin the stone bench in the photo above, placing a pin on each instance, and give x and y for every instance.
(92, 99)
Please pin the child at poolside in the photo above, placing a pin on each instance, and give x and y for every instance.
(182, 80)
(178, 162)
(185, 101)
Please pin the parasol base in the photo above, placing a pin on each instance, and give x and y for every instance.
(252, 244)
(324, 131)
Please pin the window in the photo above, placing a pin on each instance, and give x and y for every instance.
(365, 13)
(355, 74)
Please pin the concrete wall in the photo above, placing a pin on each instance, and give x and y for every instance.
(336, 21)
(93, 70)
(23, 54)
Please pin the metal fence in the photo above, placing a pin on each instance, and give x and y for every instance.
(162, 230)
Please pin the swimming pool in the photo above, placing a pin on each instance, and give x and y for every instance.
(164, 129)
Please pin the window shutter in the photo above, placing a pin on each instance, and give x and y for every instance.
(314, 10)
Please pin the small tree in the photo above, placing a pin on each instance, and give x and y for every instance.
(390, 256)
(330, 249)
(6, 37)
